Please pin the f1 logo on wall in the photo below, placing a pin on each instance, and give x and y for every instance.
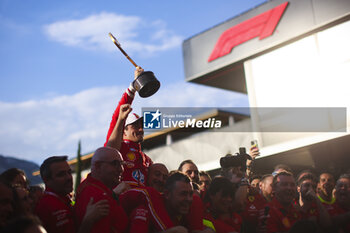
(152, 119)
(261, 26)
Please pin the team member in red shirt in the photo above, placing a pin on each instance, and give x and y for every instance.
(340, 210)
(280, 214)
(255, 203)
(219, 214)
(311, 207)
(157, 176)
(168, 212)
(137, 196)
(55, 207)
(125, 134)
(106, 171)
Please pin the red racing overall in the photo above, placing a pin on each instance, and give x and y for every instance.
(136, 162)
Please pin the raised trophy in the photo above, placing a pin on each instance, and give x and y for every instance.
(146, 83)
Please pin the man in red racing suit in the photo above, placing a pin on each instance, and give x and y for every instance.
(125, 134)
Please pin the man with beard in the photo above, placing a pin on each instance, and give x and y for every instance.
(340, 210)
(55, 208)
(280, 214)
(106, 171)
(265, 186)
(168, 212)
(157, 176)
(325, 188)
(189, 168)
(125, 134)
(311, 207)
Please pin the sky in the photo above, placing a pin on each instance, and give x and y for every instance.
(61, 76)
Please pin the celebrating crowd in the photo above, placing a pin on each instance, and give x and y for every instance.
(126, 192)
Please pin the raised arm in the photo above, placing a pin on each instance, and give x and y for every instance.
(254, 151)
(116, 137)
(127, 98)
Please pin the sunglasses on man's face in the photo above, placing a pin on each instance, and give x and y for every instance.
(115, 163)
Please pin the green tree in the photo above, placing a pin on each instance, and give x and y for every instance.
(78, 168)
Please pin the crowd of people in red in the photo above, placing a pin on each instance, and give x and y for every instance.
(126, 192)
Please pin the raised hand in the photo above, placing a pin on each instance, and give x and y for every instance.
(122, 187)
(96, 211)
(124, 111)
(137, 71)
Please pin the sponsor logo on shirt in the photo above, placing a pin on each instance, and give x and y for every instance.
(138, 176)
(129, 164)
(252, 207)
(285, 222)
(251, 198)
(131, 156)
